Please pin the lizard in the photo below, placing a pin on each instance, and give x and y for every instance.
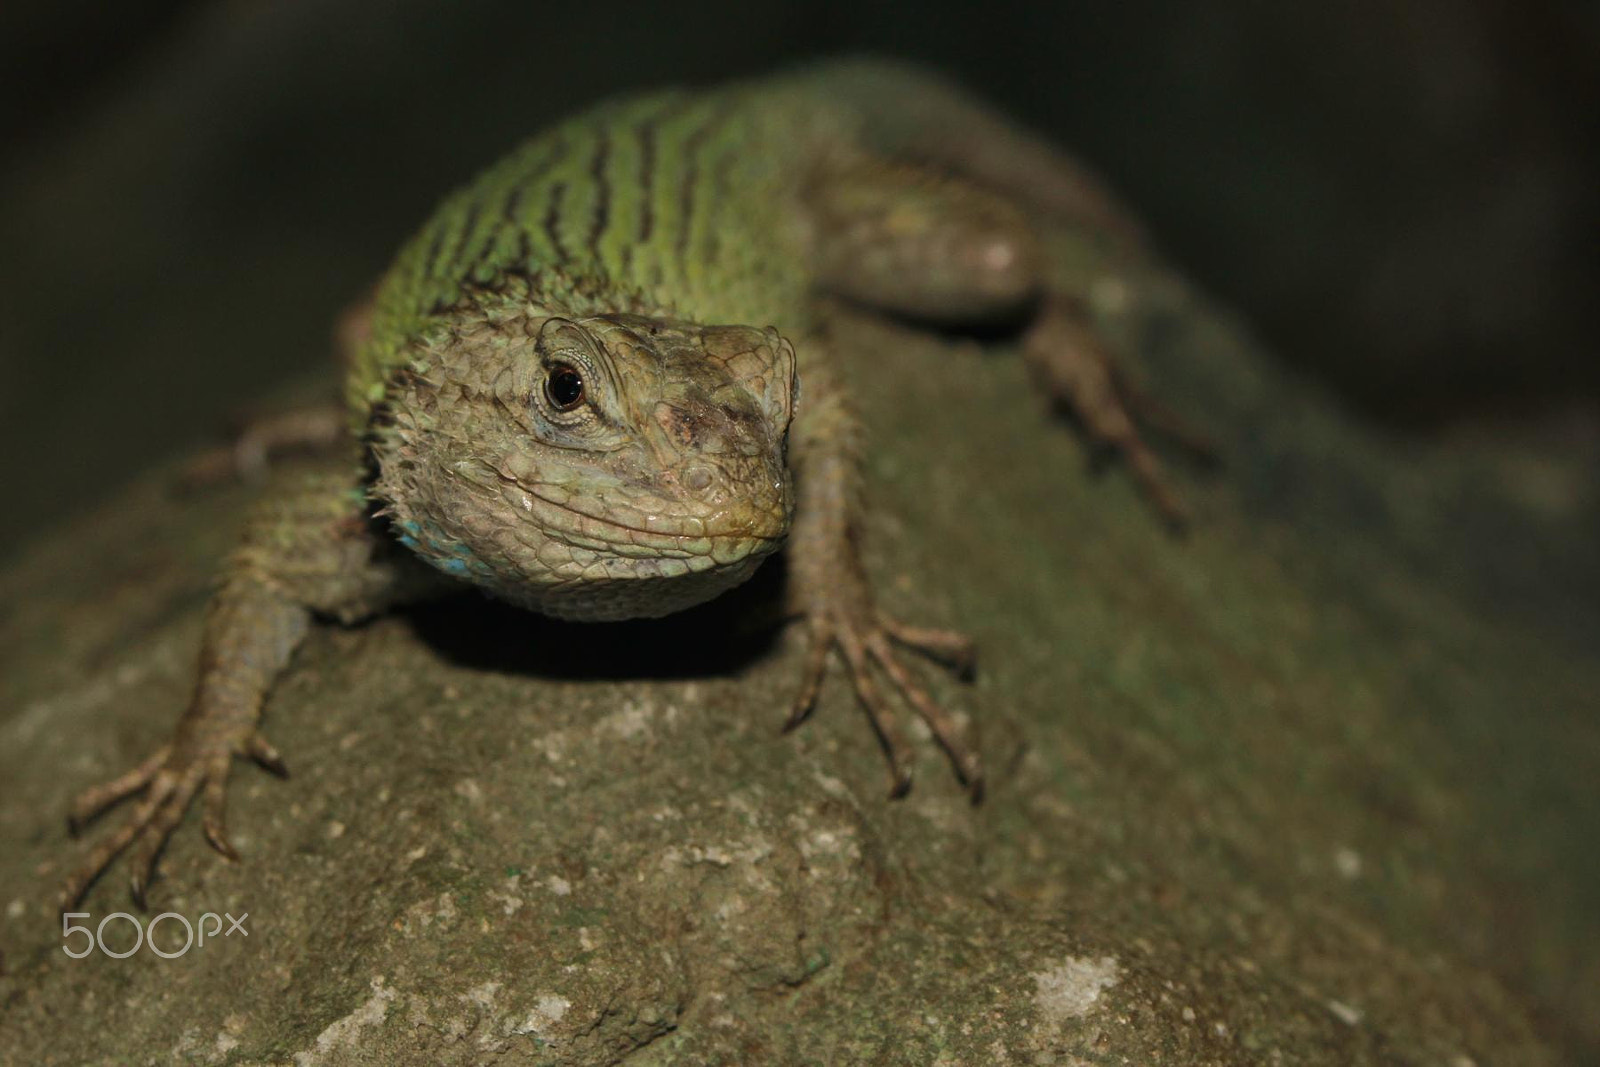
(600, 383)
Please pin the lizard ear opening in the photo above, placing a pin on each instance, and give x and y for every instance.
(762, 361)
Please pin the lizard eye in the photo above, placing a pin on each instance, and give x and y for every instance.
(564, 387)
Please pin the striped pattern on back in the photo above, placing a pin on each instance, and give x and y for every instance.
(676, 203)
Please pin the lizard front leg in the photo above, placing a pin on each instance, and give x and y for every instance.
(829, 590)
(308, 548)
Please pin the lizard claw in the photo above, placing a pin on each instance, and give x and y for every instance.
(265, 755)
(866, 640)
(169, 779)
(214, 822)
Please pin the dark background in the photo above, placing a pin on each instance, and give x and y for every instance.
(1402, 196)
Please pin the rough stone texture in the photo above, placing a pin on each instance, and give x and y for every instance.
(1314, 786)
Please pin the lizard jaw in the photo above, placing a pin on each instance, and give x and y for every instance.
(637, 595)
(537, 546)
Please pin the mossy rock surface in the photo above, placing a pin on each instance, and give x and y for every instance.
(1313, 785)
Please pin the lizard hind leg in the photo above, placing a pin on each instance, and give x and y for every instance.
(1073, 368)
(919, 242)
(914, 241)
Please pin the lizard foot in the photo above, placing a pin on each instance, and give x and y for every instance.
(1079, 375)
(867, 639)
(262, 440)
(169, 781)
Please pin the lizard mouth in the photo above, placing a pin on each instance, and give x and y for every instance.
(622, 568)
(718, 538)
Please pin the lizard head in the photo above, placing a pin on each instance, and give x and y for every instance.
(600, 468)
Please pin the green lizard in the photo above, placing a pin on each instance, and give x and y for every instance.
(574, 390)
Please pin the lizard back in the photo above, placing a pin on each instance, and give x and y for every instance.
(676, 203)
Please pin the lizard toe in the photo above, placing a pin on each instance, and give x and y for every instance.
(964, 759)
(172, 800)
(952, 648)
(811, 674)
(96, 799)
(867, 640)
(879, 712)
(215, 800)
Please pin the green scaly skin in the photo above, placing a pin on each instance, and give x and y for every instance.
(577, 389)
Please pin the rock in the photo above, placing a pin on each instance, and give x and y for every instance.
(1303, 787)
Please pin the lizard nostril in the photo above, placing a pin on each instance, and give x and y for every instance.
(697, 479)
